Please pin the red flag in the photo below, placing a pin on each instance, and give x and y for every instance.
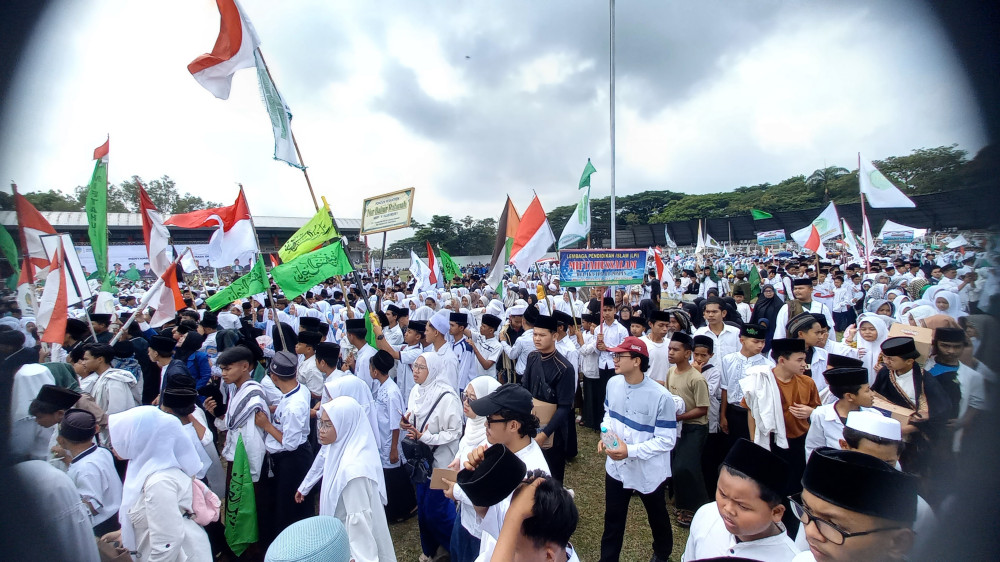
(814, 243)
(52, 309)
(234, 238)
(32, 226)
(432, 264)
(154, 233)
(274, 260)
(102, 151)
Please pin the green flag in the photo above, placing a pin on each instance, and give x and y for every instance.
(241, 503)
(760, 215)
(587, 171)
(97, 214)
(754, 278)
(319, 229)
(250, 284)
(304, 272)
(448, 266)
(9, 249)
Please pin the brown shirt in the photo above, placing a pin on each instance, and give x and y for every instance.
(692, 387)
(800, 390)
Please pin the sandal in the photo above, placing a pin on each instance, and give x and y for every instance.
(684, 518)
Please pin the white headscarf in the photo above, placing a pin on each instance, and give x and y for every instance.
(422, 313)
(353, 455)
(423, 395)
(351, 386)
(475, 428)
(954, 304)
(29, 340)
(874, 348)
(918, 313)
(152, 441)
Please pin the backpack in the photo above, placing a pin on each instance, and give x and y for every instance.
(204, 503)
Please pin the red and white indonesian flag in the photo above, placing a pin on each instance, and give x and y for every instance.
(233, 50)
(234, 238)
(435, 278)
(154, 233)
(168, 300)
(534, 237)
(662, 268)
(52, 309)
(814, 243)
(34, 226)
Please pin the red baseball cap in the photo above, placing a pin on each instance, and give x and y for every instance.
(631, 343)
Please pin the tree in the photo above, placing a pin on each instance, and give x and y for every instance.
(466, 237)
(53, 200)
(926, 170)
(821, 178)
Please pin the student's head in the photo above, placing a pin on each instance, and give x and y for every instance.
(76, 428)
(282, 368)
(850, 384)
(679, 348)
(659, 324)
(179, 399)
(414, 332)
(631, 356)
(608, 310)
(307, 342)
(356, 331)
(236, 364)
(873, 434)
(738, 296)
(948, 345)
(544, 333)
(868, 331)
(885, 309)
(209, 323)
(545, 535)
(507, 414)
(749, 490)
(802, 289)
(51, 403)
(457, 323)
(327, 356)
(789, 354)
(637, 326)
(899, 354)
(752, 339)
(98, 356)
(714, 311)
(941, 304)
(101, 322)
(824, 329)
(838, 281)
(806, 328)
(381, 364)
(856, 507)
(704, 348)
(489, 325)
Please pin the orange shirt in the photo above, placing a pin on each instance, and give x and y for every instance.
(800, 390)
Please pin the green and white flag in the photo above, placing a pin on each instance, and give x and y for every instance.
(306, 271)
(578, 226)
(245, 286)
(281, 116)
(241, 503)
(97, 215)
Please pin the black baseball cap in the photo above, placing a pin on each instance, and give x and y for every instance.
(510, 396)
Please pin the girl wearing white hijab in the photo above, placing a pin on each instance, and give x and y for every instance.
(871, 332)
(465, 535)
(440, 427)
(158, 486)
(948, 302)
(353, 488)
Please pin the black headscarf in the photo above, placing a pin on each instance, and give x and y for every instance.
(766, 309)
(192, 343)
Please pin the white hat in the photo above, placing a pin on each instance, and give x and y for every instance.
(876, 424)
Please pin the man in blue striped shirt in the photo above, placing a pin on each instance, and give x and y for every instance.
(640, 413)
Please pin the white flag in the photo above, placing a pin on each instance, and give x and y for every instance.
(421, 273)
(827, 224)
(700, 244)
(281, 116)
(578, 225)
(878, 190)
(851, 241)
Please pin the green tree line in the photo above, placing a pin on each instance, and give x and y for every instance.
(122, 198)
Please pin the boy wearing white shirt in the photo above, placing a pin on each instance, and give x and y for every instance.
(307, 372)
(641, 415)
(733, 416)
(826, 423)
(92, 469)
(487, 348)
(656, 345)
(745, 518)
(289, 454)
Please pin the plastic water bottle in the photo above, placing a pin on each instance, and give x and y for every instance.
(608, 437)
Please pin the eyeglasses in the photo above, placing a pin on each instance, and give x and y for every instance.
(617, 356)
(830, 532)
(325, 425)
(417, 367)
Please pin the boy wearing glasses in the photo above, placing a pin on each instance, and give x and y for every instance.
(641, 414)
(855, 507)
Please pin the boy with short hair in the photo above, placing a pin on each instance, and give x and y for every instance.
(733, 416)
(826, 423)
(715, 444)
(745, 518)
(307, 372)
(92, 469)
(244, 398)
(685, 381)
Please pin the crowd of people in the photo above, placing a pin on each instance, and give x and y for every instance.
(805, 410)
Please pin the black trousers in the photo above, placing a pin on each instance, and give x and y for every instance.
(689, 482)
(616, 500)
(595, 399)
(288, 469)
(715, 451)
(555, 457)
(399, 490)
(795, 456)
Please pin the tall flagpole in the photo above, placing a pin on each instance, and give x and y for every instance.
(865, 227)
(612, 7)
(294, 142)
(270, 290)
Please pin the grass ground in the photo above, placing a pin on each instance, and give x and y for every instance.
(585, 476)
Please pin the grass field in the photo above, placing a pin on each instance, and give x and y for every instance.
(585, 476)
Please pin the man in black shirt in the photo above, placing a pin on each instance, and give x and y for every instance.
(551, 379)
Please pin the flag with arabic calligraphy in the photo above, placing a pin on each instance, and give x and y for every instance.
(306, 271)
(319, 229)
(245, 286)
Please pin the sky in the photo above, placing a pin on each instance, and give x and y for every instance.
(470, 101)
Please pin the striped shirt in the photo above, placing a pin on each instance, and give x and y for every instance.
(643, 417)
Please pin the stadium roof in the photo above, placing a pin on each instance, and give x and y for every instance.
(72, 219)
